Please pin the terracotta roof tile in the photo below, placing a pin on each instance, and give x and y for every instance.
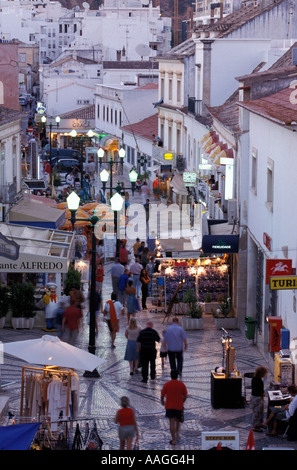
(145, 128)
(87, 112)
(278, 107)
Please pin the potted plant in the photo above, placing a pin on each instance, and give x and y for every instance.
(224, 315)
(22, 302)
(73, 280)
(210, 304)
(193, 320)
(4, 304)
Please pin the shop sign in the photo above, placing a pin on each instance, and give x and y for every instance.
(267, 241)
(220, 243)
(189, 178)
(33, 264)
(283, 282)
(168, 156)
(278, 267)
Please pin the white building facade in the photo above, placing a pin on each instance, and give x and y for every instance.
(268, 207)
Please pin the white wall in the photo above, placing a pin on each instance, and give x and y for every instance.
(280, 145)
(230, 58)
(134, 103)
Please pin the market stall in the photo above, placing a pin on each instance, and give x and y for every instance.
(207, 277)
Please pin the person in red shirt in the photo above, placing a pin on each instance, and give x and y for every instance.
(126, 420)
(173, 395)
(71, 321)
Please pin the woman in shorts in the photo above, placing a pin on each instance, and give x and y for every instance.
(126, 420)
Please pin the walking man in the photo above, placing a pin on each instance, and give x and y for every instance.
(173, 395)
(112, 311)
(135, 270)
(176, 341)
(117, 270)
(146, 346)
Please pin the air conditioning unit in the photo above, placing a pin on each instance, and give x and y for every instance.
(232, 211)
(227, 439)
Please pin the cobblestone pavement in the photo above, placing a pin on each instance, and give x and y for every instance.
(99, 397)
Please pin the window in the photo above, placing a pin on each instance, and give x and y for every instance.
(270, 167)
(170, 89)
(254, 165)
(178, 94)
(98, 111)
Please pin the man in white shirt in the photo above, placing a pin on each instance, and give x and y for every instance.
(113, 306)
(283, 412)
(135, 270)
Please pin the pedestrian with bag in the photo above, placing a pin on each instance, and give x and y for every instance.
(112, 311)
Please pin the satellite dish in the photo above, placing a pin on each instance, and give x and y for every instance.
(142, 50)
(145, 2)
(86, 6)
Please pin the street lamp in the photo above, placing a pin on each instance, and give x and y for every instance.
(104, 177)
(57, 119)
(73, 201)
(116, 203)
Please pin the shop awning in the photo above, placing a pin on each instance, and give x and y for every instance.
(36, 213)
(177, 185)
(109, 143)
(17, 436)
(34, 250)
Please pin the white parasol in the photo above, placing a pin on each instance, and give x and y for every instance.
(51, 351)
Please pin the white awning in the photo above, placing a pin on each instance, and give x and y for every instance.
(35, 213)
(34, 250)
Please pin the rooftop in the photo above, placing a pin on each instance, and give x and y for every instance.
(238, 18)
(145, 128)
(280, 107)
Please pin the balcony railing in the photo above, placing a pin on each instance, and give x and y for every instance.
(195, 106)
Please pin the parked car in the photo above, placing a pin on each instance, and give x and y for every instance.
(23, 100)
(65, 166)
(60, 154)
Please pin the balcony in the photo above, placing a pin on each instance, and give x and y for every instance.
(195, 106)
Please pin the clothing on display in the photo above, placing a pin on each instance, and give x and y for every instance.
(50, 393)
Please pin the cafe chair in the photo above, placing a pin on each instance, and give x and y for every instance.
(291, 429)
(247, 383)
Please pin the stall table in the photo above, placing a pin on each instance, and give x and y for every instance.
(226, 392)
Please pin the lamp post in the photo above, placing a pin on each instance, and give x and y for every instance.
(116, 203)
(111, 162)
(73, 203)
(57, 119)
(104, 177)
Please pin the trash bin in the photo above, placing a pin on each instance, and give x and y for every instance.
(249, 327)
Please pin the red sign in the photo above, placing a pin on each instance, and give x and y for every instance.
(267, 241)
(275, 324)
(30, 130)
(278, 267)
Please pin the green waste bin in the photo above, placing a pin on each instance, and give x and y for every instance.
(249, 327)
